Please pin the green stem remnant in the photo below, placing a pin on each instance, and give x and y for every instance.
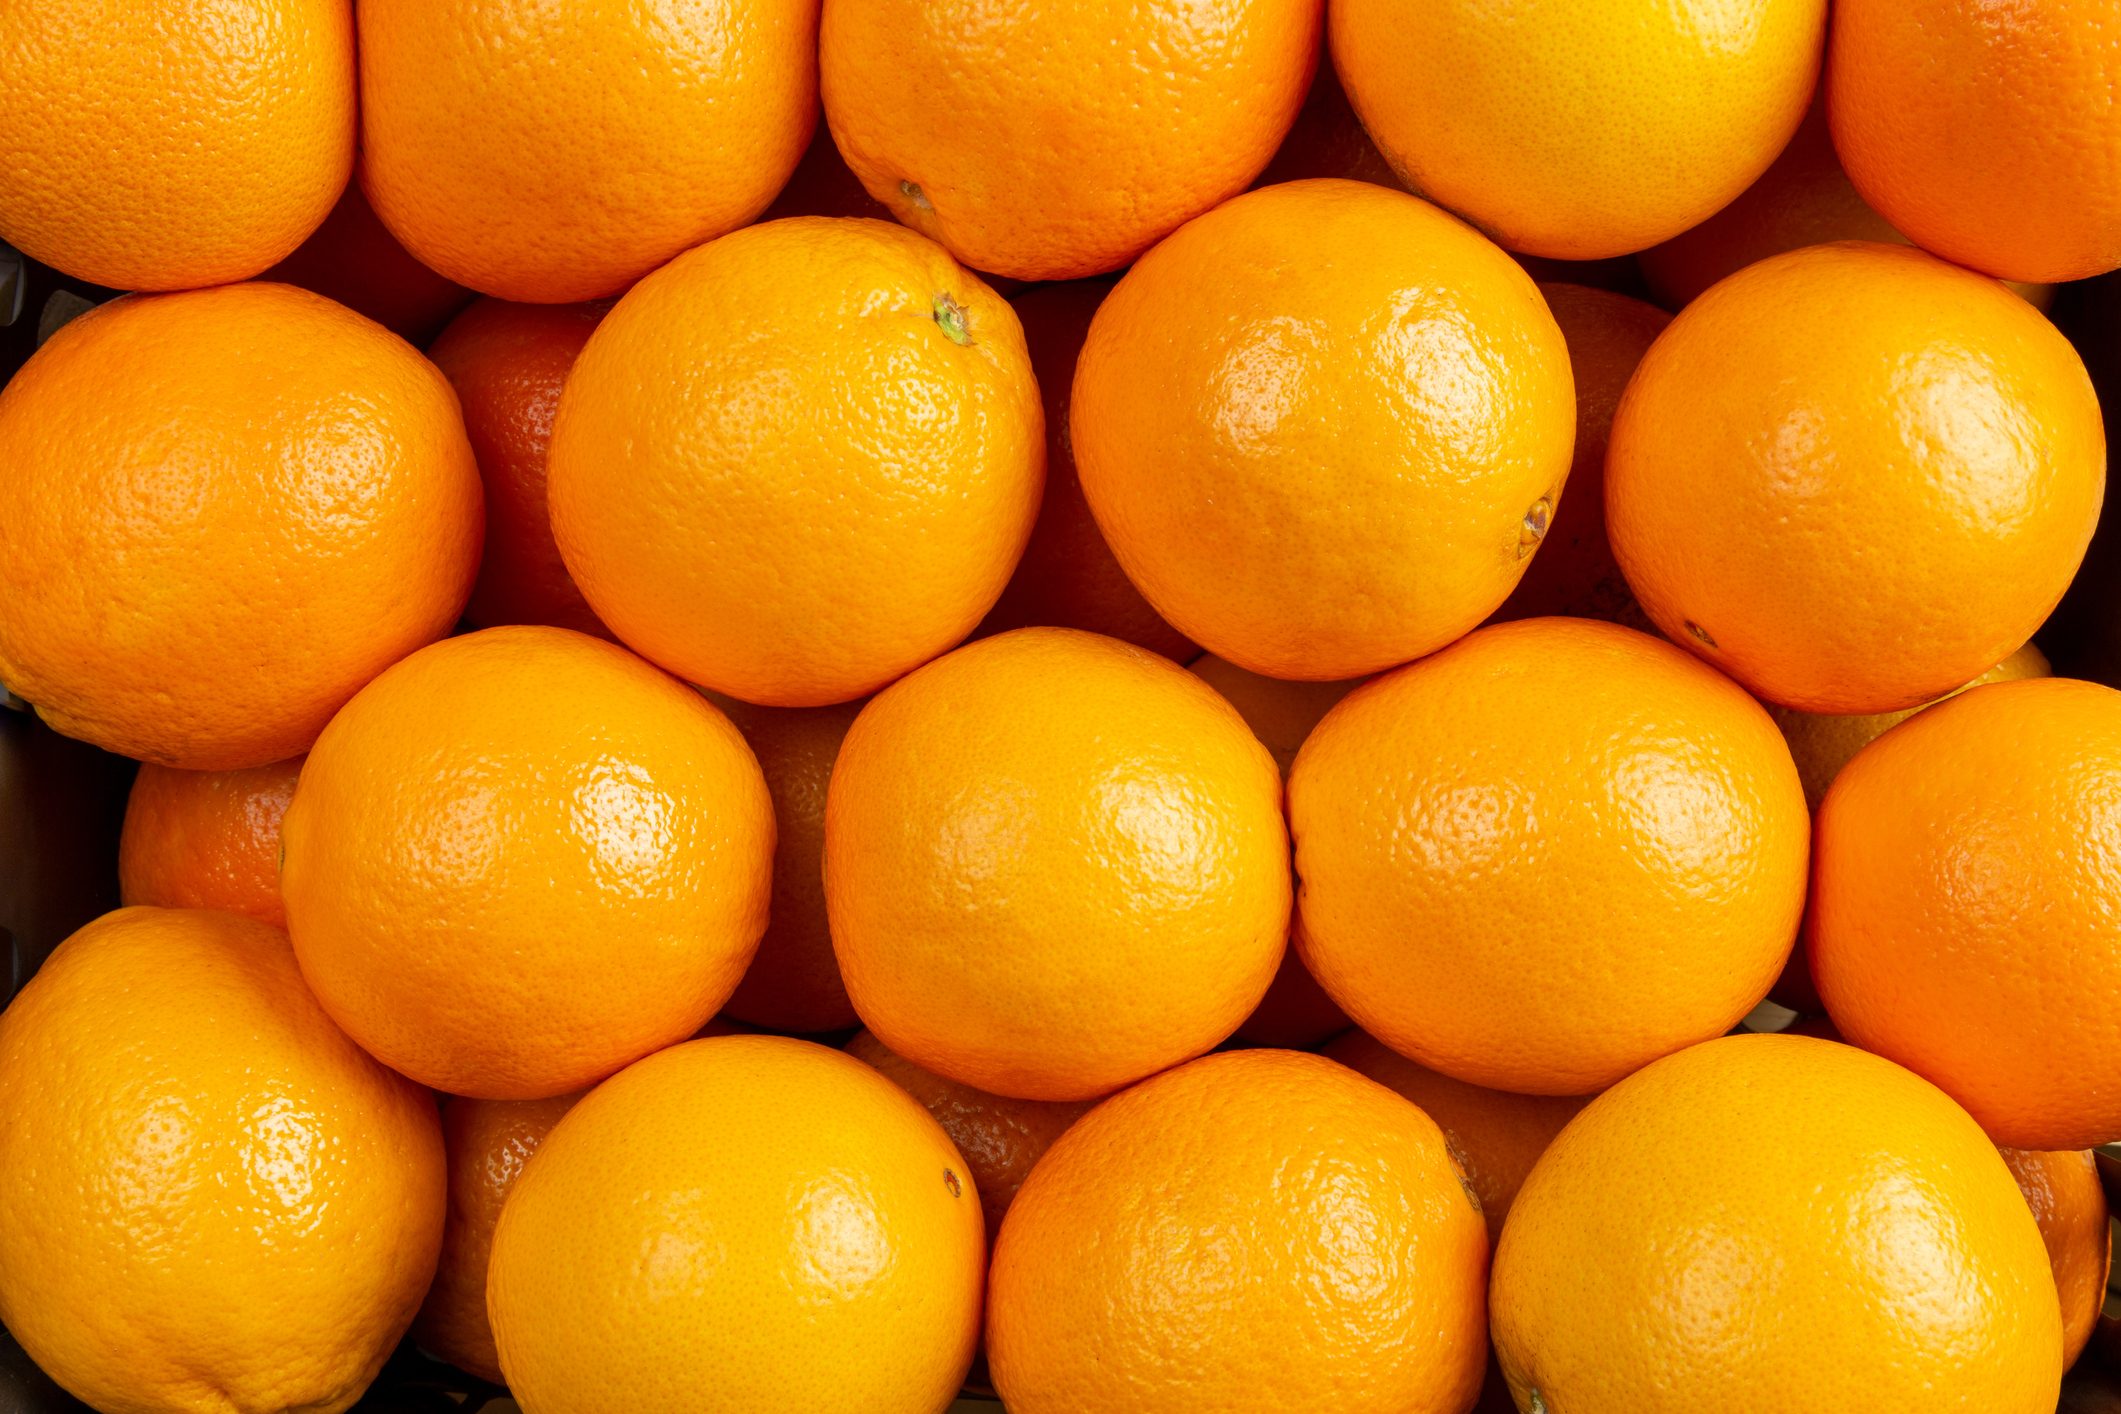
(951, 315)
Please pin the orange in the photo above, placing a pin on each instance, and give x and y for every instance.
(1574, 573)
(740, 1223)
(1854, 477)
(221, 513)
(507, 363)
(354, 259)
(1296, 1011)
(1548, 855)
(1322, 427)
(1803, 198)
(554, 154)
(1067, 577)
(1985, 132)
(210, 1199)
(207, 839)
(1963, 899)
(1048, 143)
(1000, 1138)
(523, 858)
(1495, 1137)
(1578, 128)
(794, 983)
(1327, 140)
(1822, 745)
(1253, 1231)
(795, 497)
(1774, 1219)
(488, 1142)
(167, 146)
(1055, 863)
(2062, 1188)
(823, 186)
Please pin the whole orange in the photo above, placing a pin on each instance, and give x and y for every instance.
(1000, 1138)
(1495, 1137)
(1249, 1232)
(221, 513)
(1574, 573)
(1963, 895)
(207, 839)
(793, 983)
(1322, 427)
(508, 363)
(169, 146)
(1067, 577)
(1295, 1012)
(522, 858)
(1052, 142)
(210, 1199)
(738, 1223)
(1821, 744)
(1055, 863)
(1803, 198)
(1854, 477)
(1548, 855)
(2062, 1188)
(1985, 132)
(354, 259)
(488, 1142)
(1764, 1220)
(796, 499)
(1578, 128)
(550, 154)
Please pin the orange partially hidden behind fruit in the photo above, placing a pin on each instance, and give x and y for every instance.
(1547, 855)
(1774, 1213)
(1055, 863)
(1854, 477)
(799, 461)
(550, 155)
(1573, 571)
(2062, 1188)
(1327, 140)
(207, 839)
(523, 858)
(1495, 1136)
(1241, 1234)
(1000, 1138)
(793, 983)
(210, 1198)
(354, 259)
(742, 1222)
(508, 363)
(1584, 129)
(1049, 143)
(221, 513)
(1963, 898)
(1067, 577)
(1985, 132)
(823, 186)
(488, 1143)
(1322, 426)
(166, 147)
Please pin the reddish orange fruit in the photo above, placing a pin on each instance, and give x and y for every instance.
(822, 185)
(354, 259)
(2062, 1188)
(1327, 140)
(508, 363)
(1962, 897)
(1240, 1234)
(1067, 577)
(207, 839)
(1547, 855)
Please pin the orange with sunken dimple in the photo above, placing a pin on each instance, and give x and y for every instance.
(1854, 477)
(1053, 142)
(1249, 1233)
(1549, 854)
(1322, 427)
(523, 858)
(1054, 863)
